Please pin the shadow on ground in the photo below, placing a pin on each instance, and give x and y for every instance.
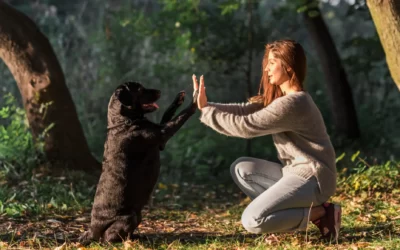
(54, 232)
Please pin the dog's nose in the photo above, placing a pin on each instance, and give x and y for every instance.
(158, 93)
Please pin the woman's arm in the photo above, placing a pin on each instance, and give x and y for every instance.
(237, 108)
(232, 108)
(281, 115)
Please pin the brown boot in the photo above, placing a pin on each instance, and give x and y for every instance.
(329, 224)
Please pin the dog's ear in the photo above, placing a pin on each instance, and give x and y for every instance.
(124, 96)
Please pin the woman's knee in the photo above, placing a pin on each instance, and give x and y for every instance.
(253, 224)
(238, 167)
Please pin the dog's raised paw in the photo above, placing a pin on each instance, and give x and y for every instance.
(180, 98)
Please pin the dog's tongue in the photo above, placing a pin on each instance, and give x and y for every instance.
(151, 105)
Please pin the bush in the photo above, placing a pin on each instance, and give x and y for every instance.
(17, 146)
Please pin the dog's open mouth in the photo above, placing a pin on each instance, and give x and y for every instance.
(150, 106)
(148, 100)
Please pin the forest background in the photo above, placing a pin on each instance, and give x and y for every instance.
(102, 43)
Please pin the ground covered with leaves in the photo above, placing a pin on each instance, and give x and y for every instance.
(42, 212)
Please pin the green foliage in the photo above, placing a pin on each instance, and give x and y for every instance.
(229, 7)
(304, 5)
(377, 178)
(211, 211)
(39, 194)
(23, 189)
(164, 44)
(16, 142)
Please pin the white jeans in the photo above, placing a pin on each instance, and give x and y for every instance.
(279, 203)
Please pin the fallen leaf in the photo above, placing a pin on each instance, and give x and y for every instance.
(53, 221)
(81, 219)
(193, 216)
(272, 240)
(77, 245)
(173, 245)
(3, 244)
(379, 217)
(245, 201)
(396, 218)
(128, 244)
(62, 247)
(162, 186)
(362, 244)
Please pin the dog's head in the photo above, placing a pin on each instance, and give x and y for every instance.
(135, 97)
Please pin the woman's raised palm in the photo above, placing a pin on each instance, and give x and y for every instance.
(202, 97)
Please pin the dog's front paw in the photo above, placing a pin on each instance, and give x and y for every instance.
(180, 98)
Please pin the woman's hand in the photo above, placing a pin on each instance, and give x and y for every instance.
(202, 98)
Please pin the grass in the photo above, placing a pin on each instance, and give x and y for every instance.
(42, 212)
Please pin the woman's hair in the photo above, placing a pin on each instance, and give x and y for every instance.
(292, 56)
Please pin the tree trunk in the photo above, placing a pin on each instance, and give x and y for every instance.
(386, 17)
(344, 114)
(46, 99)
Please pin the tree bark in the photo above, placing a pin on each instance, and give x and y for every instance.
(386, 17)
(46, 99)
(344, 114)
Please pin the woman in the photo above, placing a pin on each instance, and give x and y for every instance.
(284, 197)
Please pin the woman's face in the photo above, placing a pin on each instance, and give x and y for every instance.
(276, 73)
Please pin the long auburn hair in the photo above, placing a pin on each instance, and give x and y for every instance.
(292, 56)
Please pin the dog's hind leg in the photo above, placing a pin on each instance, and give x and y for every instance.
(121, 229)
(87, 237)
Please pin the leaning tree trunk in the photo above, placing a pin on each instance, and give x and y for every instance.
(344, 114)
(40, 79)
(386, 17)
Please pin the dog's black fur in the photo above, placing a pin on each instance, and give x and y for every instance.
(131, 162)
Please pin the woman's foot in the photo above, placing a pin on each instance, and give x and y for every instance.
(329, 224)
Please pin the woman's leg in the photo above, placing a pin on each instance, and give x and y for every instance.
(284, 207)
(254, 176)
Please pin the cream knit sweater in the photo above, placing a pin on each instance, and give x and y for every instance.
(297, 128)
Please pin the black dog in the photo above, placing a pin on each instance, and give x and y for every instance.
(131, 162)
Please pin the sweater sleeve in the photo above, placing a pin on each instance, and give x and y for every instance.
(279, 116)
(237, 108)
